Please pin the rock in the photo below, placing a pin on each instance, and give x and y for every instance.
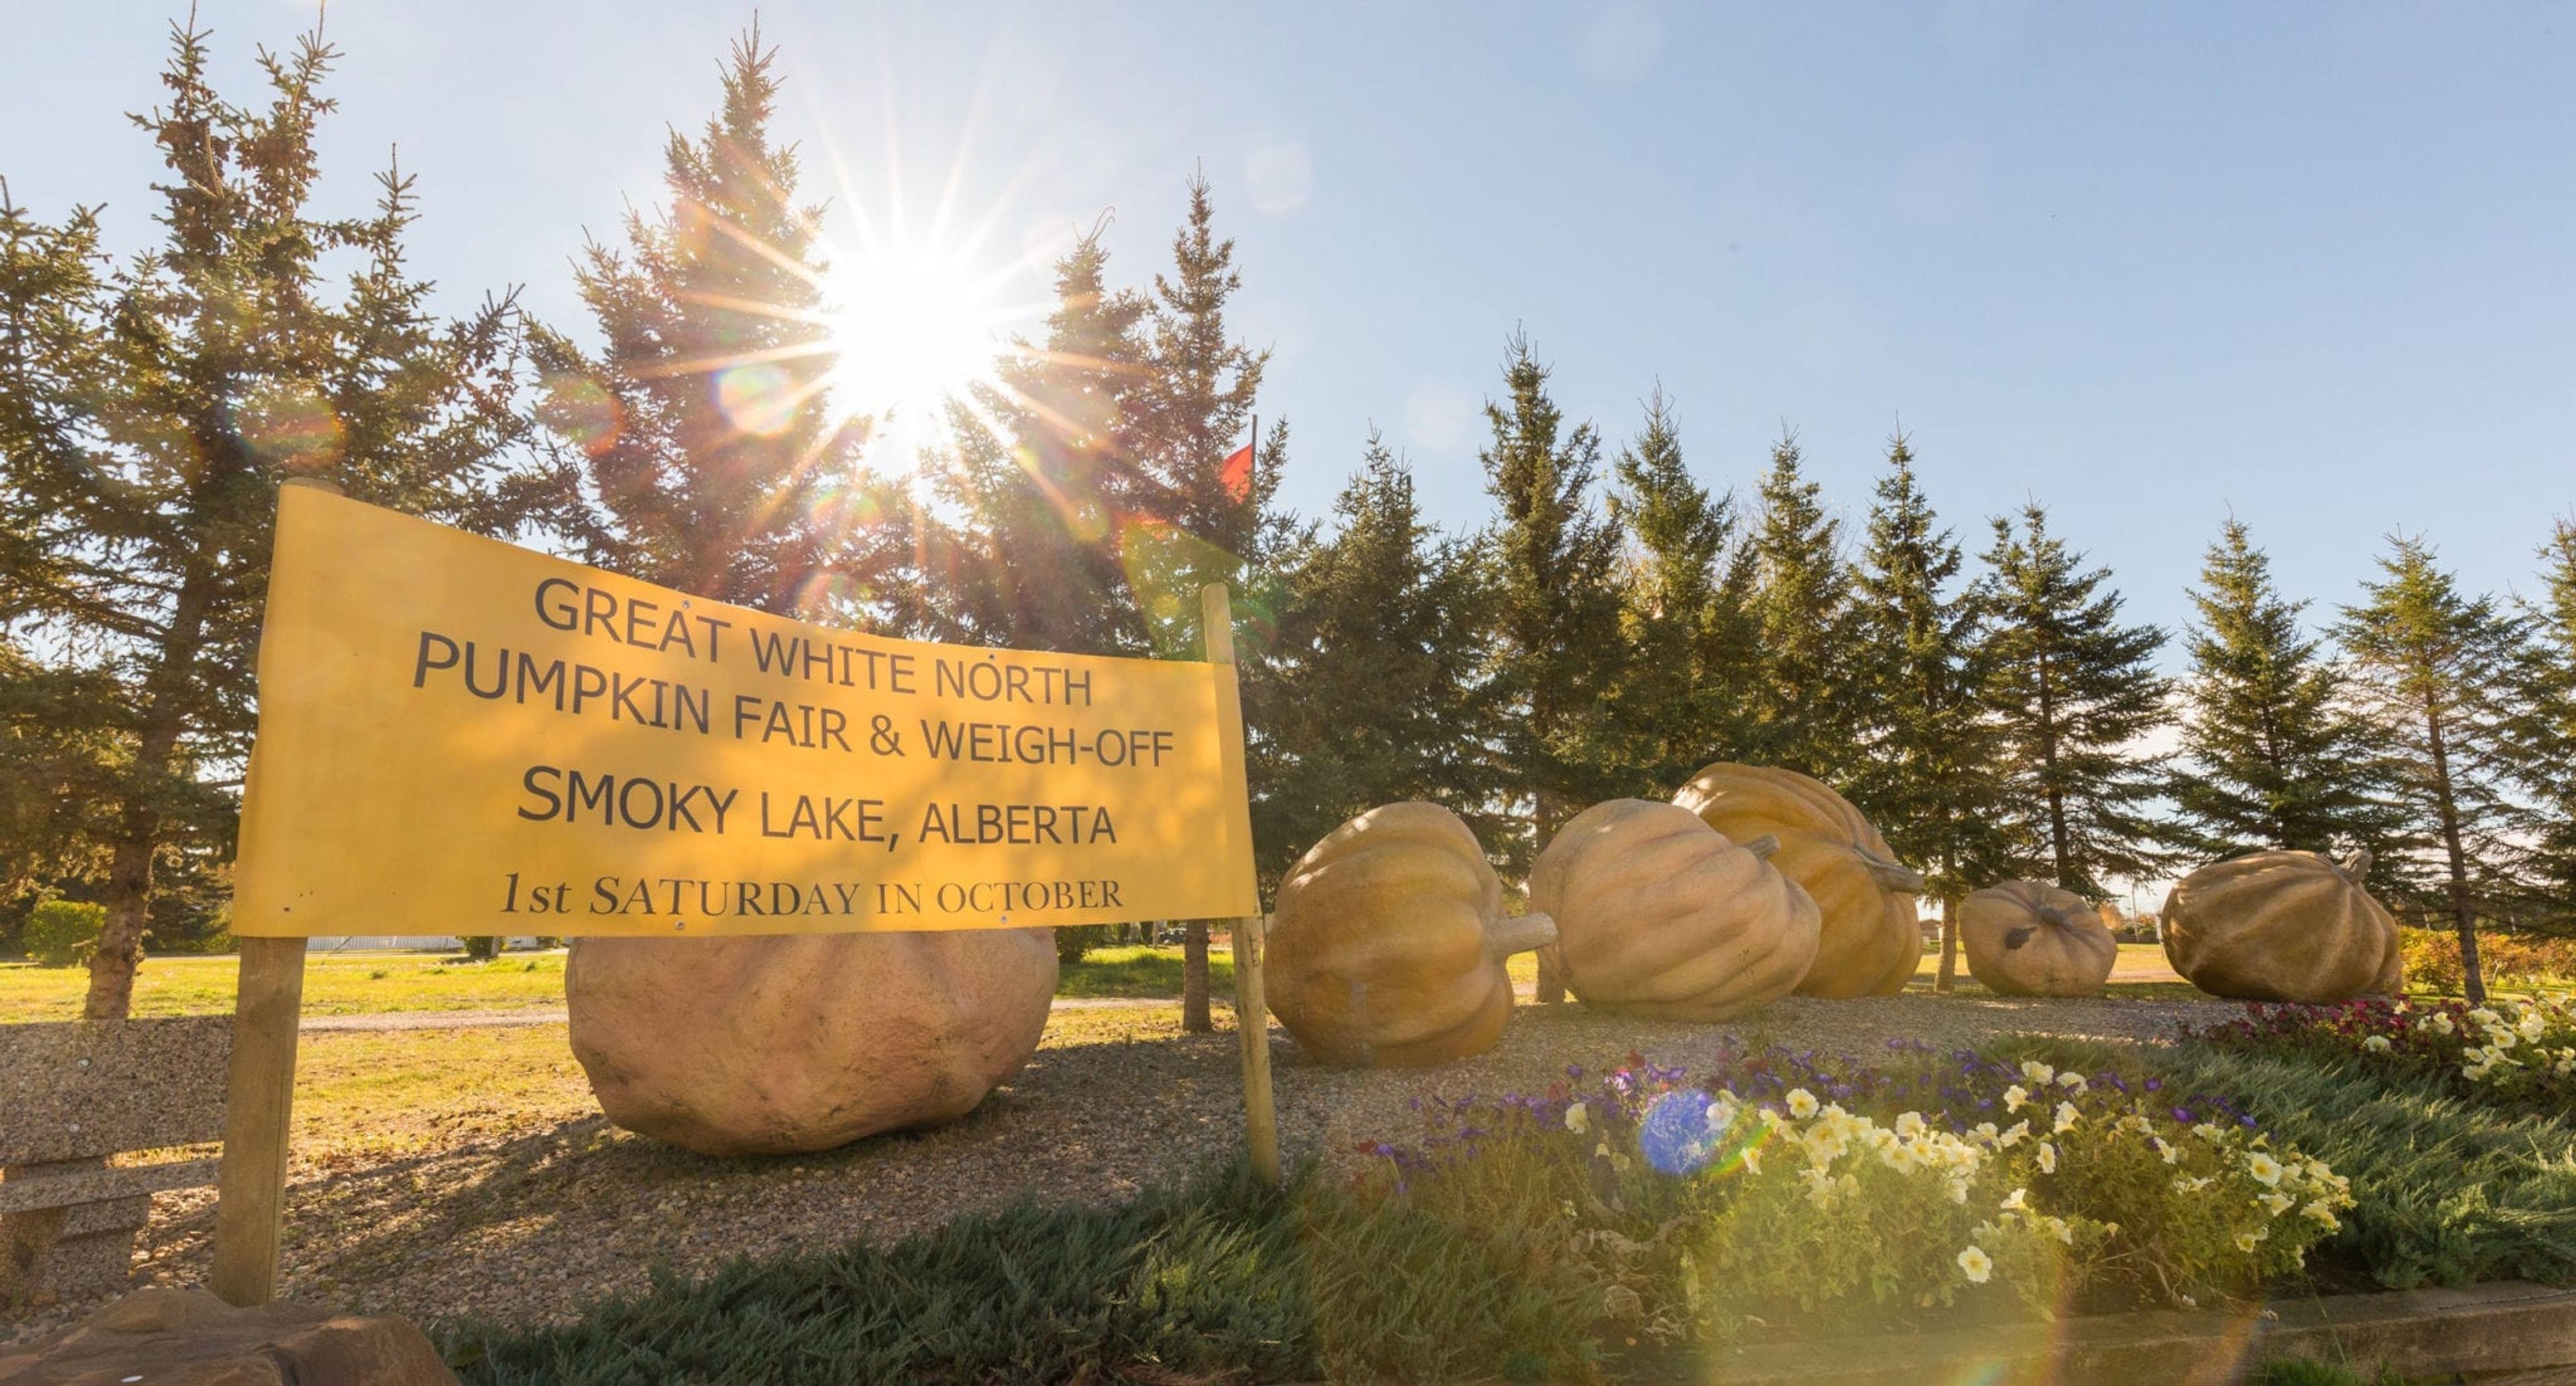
(777, 1045)
(191, 1338)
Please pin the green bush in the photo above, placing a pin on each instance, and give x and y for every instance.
(61, 933)
(2451, 1191)
(1220, 1279)
(1073, 942)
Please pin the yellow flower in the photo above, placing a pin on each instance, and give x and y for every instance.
(1976, 1264)
(2166, 1149)
(1909, 1124)
(2245, 1241)
(2265, 1169)
(2074, 1081)
(2017, 1201)
(2015, 1096)
(2047, 1158)
(1752, 1160)
(2066, 1116)
(1802, 1103)
(2037, 1072)
(2276, 1202)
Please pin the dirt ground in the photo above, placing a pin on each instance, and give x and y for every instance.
(443, 1173)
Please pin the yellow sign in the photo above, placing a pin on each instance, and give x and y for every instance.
(457, 736)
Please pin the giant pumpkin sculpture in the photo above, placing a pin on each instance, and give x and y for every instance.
(1871, 938)
(2283, 926)
(1657, 914)
(776, 1045)
(2029, 938)
(1388, 942)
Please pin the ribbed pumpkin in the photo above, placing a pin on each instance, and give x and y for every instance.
(2029, 938)
(1658, 915)
(2283, 926)
(1388, 942)
(1871, 939)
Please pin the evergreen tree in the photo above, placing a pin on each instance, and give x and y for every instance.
(2434, 666)
(2273, 754)
(1933, 780)
(2543, 740)
(1678, 703)
(711, 460)
(1197, 520)
(1557, 651)
(2075, 691)
(1799, 710)
(1374, 694)
(1032, 560)
(147, 414)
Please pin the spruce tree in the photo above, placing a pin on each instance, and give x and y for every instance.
(1031, 560)
(1799, 709)
(1197, 521)
(148, 413)
(1933, 774)
(2273, 756)
(2434, 666)
(2074, 690)
(1374, 693)
(2543, 740)
(1557, 650)
(1678, 704)
(710, 452)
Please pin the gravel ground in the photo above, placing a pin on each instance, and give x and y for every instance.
(523, 1217)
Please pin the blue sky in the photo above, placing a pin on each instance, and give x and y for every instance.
(2316, 264)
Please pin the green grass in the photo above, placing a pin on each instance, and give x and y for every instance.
(334, 984)
(1222, 1278)
(1136, 970)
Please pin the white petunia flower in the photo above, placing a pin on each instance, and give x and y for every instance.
(2265, 1169)
(1578, 1118)
(2066, 1116)
(2376, 1044)
(1976, 1264)
(2037, 1073)
(2047, 1158)
(2017, 1201)
(1802, 1103)
(2015, 1096)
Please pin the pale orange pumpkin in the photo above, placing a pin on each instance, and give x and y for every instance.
(1657, 914)
(1871, 939)
(2029, 938)
(1388, 942)
(2283, 926)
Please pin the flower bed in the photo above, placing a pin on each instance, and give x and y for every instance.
(2513, 1052)
(1779, 1188)
(2504, 960)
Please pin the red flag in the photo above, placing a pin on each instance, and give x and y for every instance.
(1236, 474)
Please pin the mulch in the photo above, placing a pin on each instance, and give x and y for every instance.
(523, 1217)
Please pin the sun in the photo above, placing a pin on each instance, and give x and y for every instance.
(912, 328)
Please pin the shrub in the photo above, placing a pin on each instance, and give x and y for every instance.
(61, 933)
(2515, 1052)
(2504, 960)
(1073, 942)
(2453, 1192)
(1778, 1188)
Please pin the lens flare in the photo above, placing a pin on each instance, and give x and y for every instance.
(758, 398)
(287, 422)
(580, 409)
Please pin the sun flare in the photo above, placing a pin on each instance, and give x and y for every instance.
(911, 328)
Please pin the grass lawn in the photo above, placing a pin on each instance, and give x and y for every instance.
(342, 984)
(383, 983)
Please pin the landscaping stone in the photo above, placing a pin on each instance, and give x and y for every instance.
(191, 1338)
(784, 1045)
(2495, 1333)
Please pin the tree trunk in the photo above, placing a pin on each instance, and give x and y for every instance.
(1551, 976)
(128, 896)
(1194, 979)
(2463, 916)
(1949, 972)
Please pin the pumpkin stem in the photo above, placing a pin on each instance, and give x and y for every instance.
(1520, 933)
(2356, 866)
(1893, 876)
(1762, 847)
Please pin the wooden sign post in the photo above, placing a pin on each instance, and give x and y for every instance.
(1251, 1007)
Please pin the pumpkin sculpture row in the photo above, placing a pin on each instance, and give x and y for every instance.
(1869, 941)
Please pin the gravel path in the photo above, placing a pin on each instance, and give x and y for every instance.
(523, 1218)
(557, 1015)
